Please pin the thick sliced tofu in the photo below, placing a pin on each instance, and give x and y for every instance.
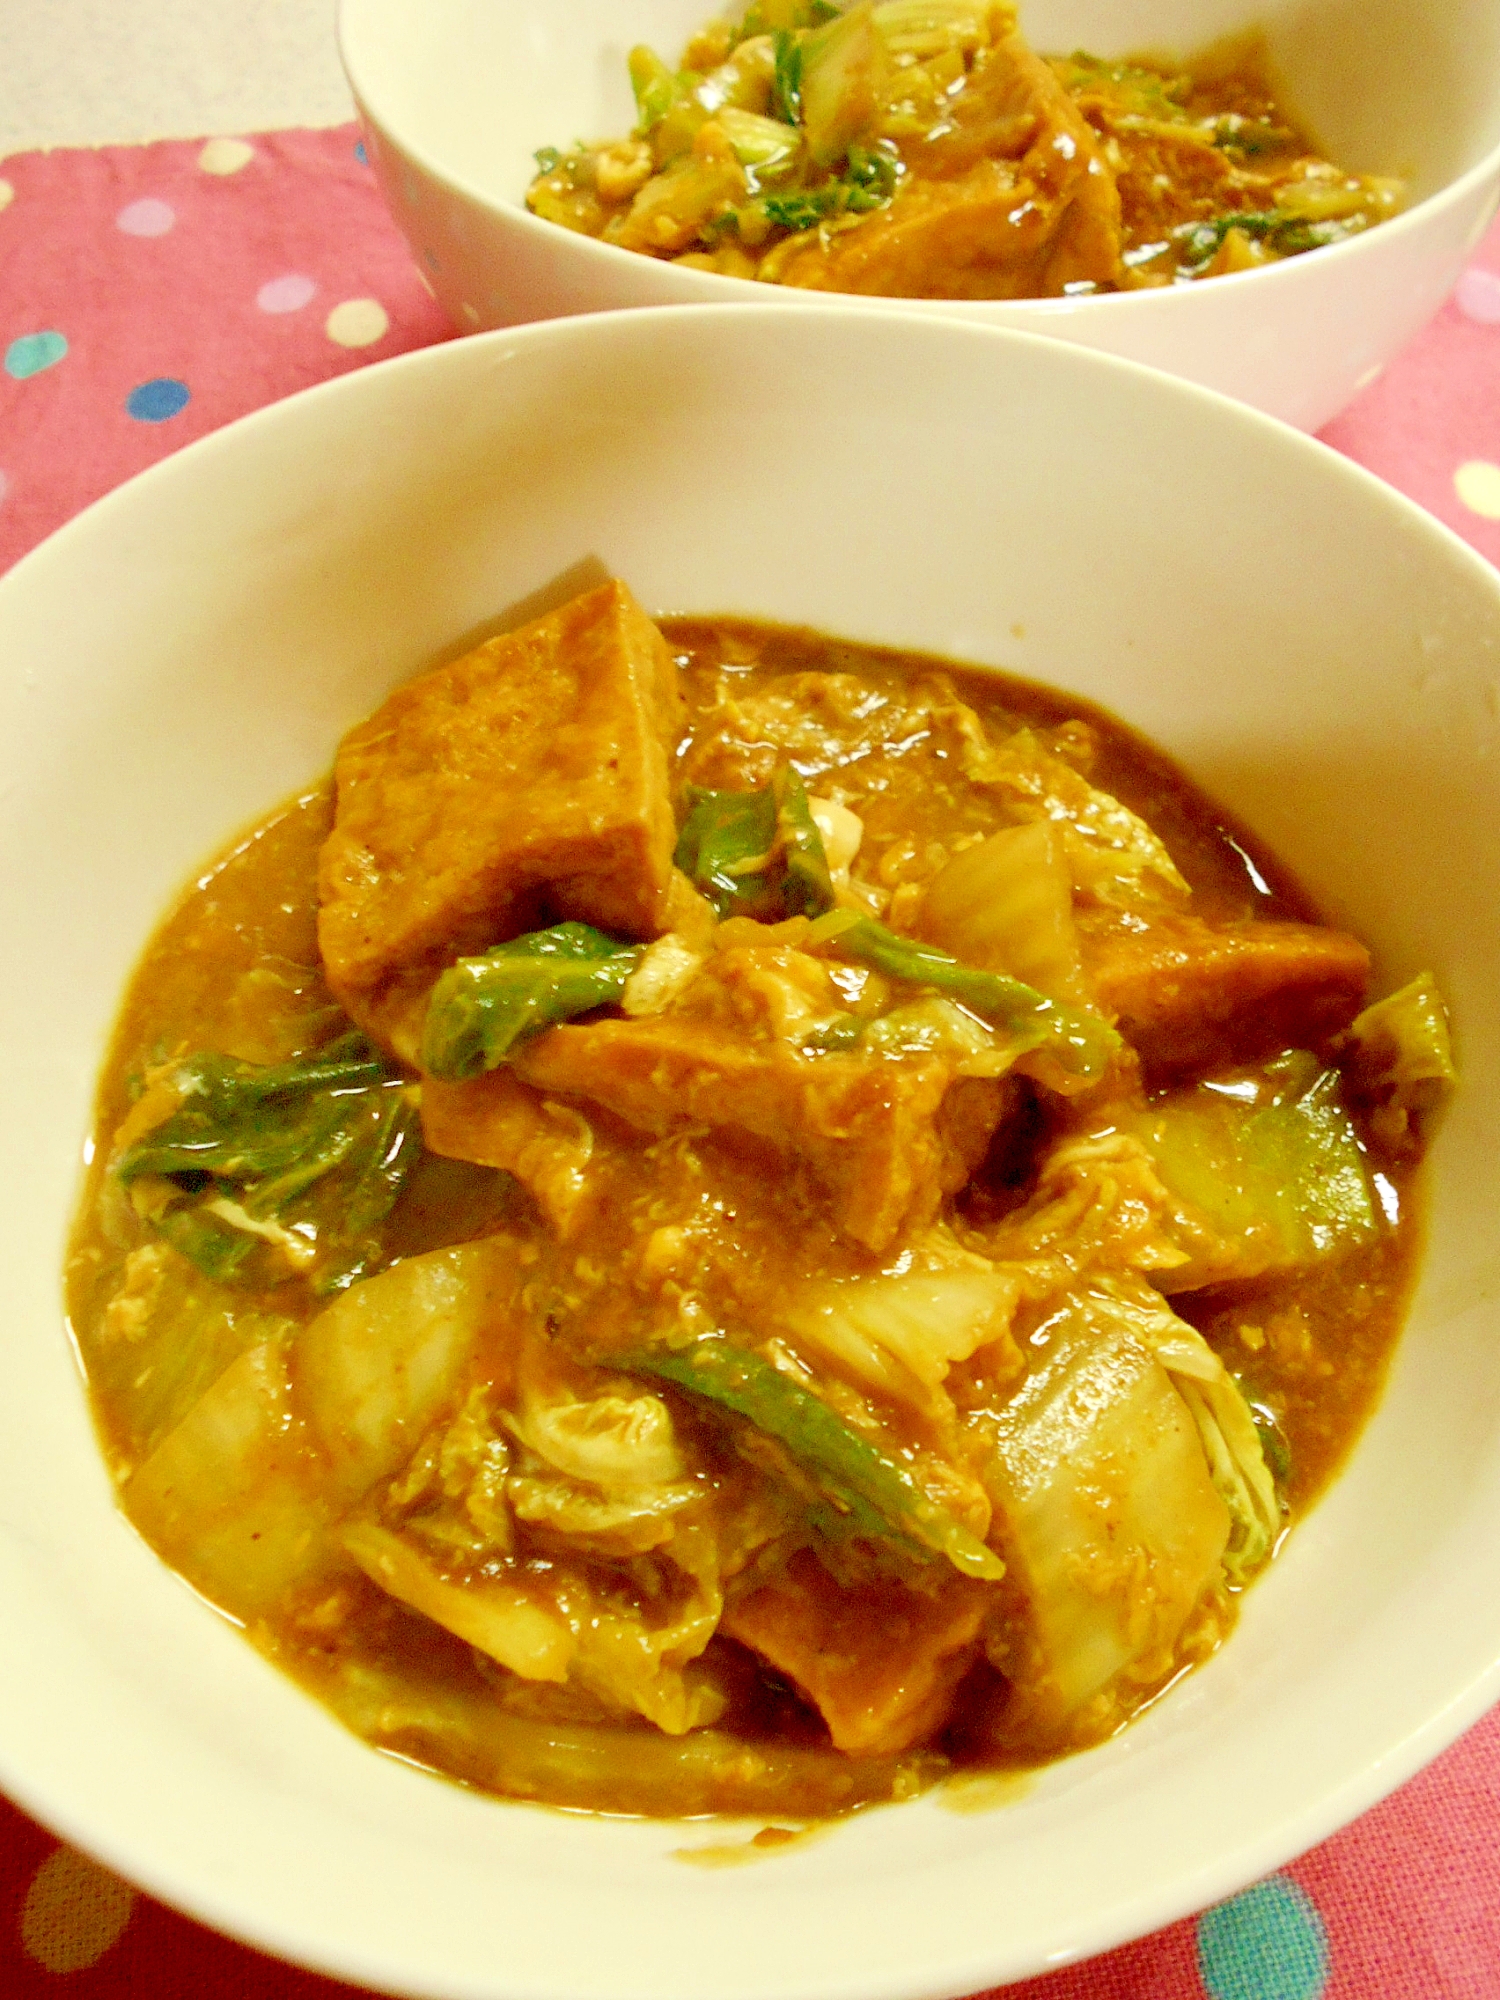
(1014, 202)
(498, 1121)
(1191, 995)
(874, 1133)
(524, 783)
(879, 1662)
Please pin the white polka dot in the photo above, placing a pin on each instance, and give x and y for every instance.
(74, 1911)
(225, 156)
(357, 322)
(285, 295)
(1477, 484)
(1478, 295)
(148, 217)
(7, 194)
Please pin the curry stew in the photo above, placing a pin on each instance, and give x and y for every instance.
(921, 149)
(733, 1222)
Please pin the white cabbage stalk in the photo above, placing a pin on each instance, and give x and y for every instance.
(1401, 1057)
(1109, 1519)
(1231, 1443)
(501, 1619)
(1006, 905)
(627, 1523)
(900, 1333)
(664, 969)
(376, 1368)
(922, 29)
(223, 1499)
(841, 832)
(936, 1027)
(619, 1443)
(843, 70)
(764, 145)
(1112, 854)
(560, 1629)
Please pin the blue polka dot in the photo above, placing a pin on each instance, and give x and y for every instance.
(153, 402)
(360, 154)
(32, 353)
(1266, 1944)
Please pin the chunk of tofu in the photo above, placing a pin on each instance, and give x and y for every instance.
(523, 783)
(1013, 202)
(1188, 994)
(880, 1662)
(872, 1132)
(497, 1121)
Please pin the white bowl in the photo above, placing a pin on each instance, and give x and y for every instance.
(456, 96)
(1320, 654)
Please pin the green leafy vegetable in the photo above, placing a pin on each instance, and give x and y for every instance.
(482, 1006)
(878, 1494)
(1274, 1448)
(842, 66)
(773, 17)
(1399, 1060)
(802, 210)
(1253, 136)
(756, 854)
(786, 96)
(869, 180)
(299, 1162)
(841, 1031)
(1079, 1042)
(1287, 235)
(764, 146)
(1270, 1158)
(656, 87)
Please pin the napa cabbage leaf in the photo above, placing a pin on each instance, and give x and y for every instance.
(877, 1494)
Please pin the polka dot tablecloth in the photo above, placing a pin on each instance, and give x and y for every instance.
(149, 294)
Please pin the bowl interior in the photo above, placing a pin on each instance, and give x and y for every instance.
(1317, 652)
(1400, 87)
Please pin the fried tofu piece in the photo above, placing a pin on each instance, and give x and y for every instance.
(523, 783)
(873, 1133)
(1190, 995)
(1013, 202)
(880, 1661)
(498, 1121)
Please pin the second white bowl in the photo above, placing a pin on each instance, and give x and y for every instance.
(1318, 653)
(456, 97)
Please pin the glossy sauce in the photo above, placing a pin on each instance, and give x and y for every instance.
(1310, 1349)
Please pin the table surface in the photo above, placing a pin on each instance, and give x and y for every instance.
(1403, 1906)
(91, 72)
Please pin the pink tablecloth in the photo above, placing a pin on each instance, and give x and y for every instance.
(149, 294)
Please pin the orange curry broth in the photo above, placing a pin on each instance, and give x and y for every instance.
(1311, 1347)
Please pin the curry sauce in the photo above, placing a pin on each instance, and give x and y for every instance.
(922, 149)
(835, 1267)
